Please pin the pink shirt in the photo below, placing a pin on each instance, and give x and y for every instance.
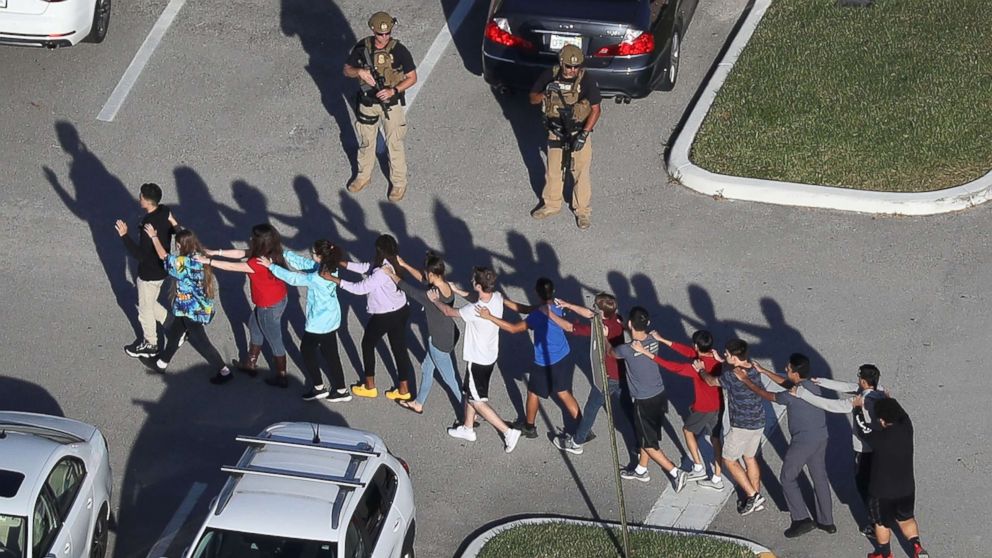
(382, 294)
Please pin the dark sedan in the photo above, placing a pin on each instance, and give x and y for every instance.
(631, 46)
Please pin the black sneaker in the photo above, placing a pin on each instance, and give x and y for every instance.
(152, 364)
(799, 528)
(219, 378)
(140, 349)
(339, 395)
(829, 528)
(315, 394)
(527, 431)
(750, 506)
(869, 532)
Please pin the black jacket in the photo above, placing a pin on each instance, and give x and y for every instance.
(150, 266)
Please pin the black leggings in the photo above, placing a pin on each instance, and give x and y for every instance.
(314, 344)
(197, 336)
(393, 325)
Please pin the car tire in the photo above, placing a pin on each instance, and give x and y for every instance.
(98, 543)
(101, 22)
(672, 61)
(407, 551)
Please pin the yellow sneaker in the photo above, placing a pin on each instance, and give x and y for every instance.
(395, 395)
(361, 391)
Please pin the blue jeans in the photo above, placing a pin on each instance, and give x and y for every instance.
(595, 403)
(265, 324)
(444, 363)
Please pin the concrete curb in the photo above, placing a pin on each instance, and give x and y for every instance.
(473, 548)
(681, 168)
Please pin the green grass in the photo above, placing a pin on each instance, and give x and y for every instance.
(894, 97)
(564, 540)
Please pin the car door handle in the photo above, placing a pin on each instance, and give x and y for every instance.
(396, 526)
(89, 503)
(68, 547)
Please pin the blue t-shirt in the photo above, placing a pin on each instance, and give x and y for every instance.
(747, 409)
(550, 344)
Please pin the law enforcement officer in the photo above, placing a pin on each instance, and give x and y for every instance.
(570, 100)
(385, 70)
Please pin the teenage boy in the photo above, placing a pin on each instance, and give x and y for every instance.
(868, 389)
(650, 401)
(706, 412)
(807, 448)
(892, 486)
(480, 350)
(552, 374)
(615, 372)
(151, 274)
(747, 423)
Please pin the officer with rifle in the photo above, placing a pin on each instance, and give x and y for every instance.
(384, 69)
(570, 100)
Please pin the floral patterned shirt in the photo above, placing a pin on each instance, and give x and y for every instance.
(191, 301)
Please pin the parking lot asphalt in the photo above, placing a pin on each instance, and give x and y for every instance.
(242, 116)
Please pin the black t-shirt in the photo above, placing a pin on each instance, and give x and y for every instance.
(402, 59)
(892, 462)
(588, 89)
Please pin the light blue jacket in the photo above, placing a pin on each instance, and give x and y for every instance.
(323, 308)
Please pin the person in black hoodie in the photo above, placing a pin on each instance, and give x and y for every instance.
(891, 484)
(151, 274)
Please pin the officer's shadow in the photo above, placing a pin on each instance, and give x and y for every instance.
(528, 127)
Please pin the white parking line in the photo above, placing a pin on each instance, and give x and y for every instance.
(177, 521)
(436, 49)
(141, 58)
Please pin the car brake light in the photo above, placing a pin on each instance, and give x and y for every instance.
(406, 466)
(633, 43)
(498, 31)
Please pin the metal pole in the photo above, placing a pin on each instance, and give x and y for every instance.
(597, 355)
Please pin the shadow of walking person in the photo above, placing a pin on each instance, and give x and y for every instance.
(528, 127)
(99, 199)
(326, 36)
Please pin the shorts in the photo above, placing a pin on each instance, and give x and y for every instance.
(702, 424)
(741, 442)
(550, 378)
(649, 419)
(476, 385)
(882, 511)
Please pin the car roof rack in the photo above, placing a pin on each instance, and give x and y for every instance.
(347, 483)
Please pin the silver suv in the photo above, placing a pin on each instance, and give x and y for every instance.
(311, 491)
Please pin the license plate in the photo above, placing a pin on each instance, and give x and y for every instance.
(557, 41)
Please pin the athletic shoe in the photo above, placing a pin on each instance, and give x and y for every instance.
(631, 474)
(362, 391)
(219, 378)
(465, 433)
(140, 349)
(711, 484)
(879, 555)
(527, 431)
(152, 364)
(869, 532)
(678, 481)
(395, 395)
(799, 528)
(919, 552)
(511, 438)
(696, 474)
(759, 500)
(339, 396)
(829, 528)
(565, 442)
(750, 506)
(315, 394)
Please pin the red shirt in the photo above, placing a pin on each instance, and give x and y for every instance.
(266, 290)
(614, 334)
(707, 398)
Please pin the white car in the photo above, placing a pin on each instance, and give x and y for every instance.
(55, 488)
(314, 491)
(53, 23)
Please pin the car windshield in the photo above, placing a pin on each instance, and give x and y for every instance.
(217, 543)
(13, 536)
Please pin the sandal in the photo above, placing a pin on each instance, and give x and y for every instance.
(406, 405)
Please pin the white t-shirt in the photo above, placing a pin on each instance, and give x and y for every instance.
(481, 336)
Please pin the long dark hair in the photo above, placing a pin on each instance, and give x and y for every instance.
(330, 256)
(188, 245)
(265, 241)
(433, 264)
(386, 250)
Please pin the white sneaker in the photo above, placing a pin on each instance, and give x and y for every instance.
(464, 433)
(709, 483)
(696, 474)
(511, 438)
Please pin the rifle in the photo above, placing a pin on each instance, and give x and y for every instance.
(380, 82)
(565, 114)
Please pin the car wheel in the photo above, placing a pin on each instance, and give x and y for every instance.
(672, 63)
(98, 544)
(101, 22)
(408, 543)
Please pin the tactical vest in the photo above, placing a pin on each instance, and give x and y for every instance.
(568, 92)
(382, 61)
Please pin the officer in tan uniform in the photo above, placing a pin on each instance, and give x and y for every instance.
(385, 70)
(570, 100)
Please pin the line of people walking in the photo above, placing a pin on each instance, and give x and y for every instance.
(723, 381)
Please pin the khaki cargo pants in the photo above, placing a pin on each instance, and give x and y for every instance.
(394, 130)
(554, 185)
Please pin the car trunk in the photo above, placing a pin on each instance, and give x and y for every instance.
(30, 7)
